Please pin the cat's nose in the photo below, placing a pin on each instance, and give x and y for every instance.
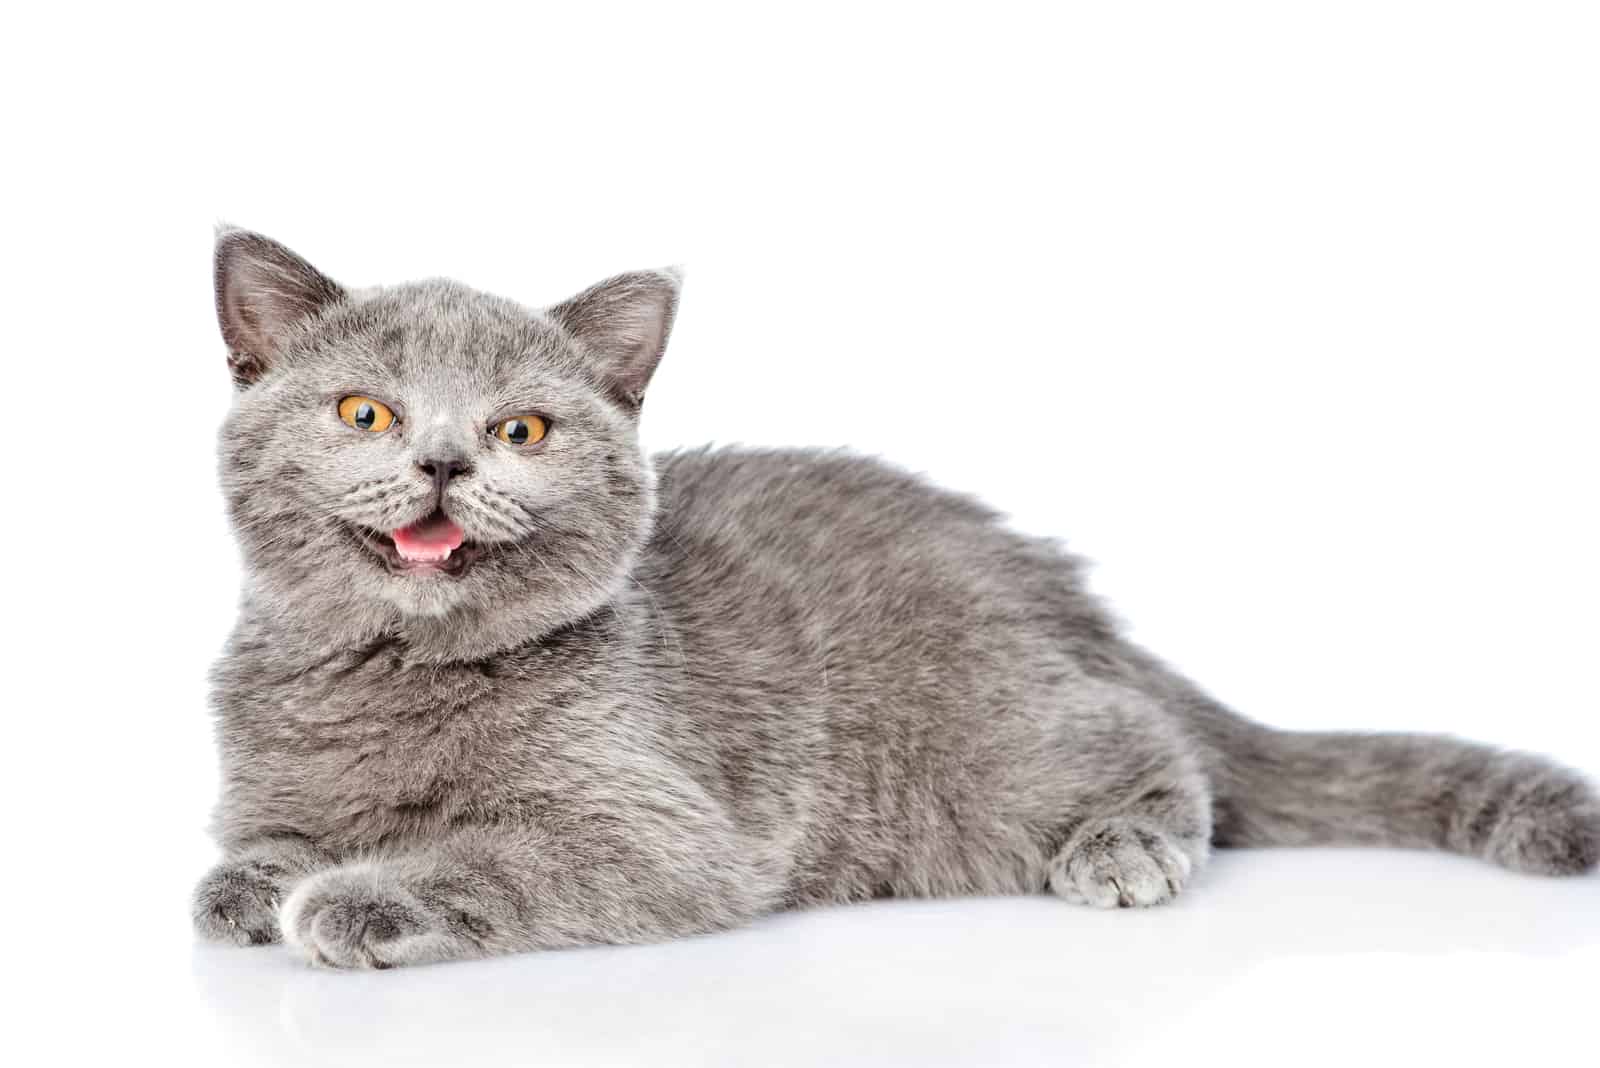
(443, 469)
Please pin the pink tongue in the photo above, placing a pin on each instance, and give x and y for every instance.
(430, 541)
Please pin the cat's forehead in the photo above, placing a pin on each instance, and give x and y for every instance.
(423, 330)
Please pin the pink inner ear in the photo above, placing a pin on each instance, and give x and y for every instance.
(623, 322)
(262, 290)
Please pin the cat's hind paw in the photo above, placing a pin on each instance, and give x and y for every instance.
(1120, 863)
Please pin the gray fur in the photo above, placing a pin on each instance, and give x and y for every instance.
(670, 696)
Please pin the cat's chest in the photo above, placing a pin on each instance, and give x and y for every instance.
(366, 750)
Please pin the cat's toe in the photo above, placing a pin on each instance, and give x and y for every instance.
(354, 918)
(1119, 863)
(1551, 826)
(236, 903)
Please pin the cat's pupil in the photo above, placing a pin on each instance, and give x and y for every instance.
(366, 415)
(516, 431)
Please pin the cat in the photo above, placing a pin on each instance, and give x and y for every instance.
(501, 682)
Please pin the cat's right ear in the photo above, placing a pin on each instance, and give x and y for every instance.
(264, 291)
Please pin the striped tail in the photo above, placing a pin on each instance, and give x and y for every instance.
(1283, 788)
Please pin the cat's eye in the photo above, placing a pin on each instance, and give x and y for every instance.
(364, 413)
(521, 430)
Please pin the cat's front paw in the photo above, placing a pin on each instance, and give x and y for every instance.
(1120, 862)
(360, 917)
(237, 902)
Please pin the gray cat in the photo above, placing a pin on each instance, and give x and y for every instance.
(500, 682)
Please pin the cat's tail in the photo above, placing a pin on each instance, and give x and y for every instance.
(1284, 788)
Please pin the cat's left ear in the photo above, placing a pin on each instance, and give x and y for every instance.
(623, 324)
(264, 291)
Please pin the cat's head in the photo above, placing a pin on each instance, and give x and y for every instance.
(430, 462)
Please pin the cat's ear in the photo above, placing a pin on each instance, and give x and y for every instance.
(623, 324)
(263, 292)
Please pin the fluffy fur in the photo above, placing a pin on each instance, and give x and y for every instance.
(671, 695)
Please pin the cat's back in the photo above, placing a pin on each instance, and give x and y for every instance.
(796, 504)
(851, 553)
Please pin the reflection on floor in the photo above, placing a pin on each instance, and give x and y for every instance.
(1309, 956)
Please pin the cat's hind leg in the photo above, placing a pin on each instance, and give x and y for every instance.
(1143, 832)
(1123, 861)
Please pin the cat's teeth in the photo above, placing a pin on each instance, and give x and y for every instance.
(419, 556)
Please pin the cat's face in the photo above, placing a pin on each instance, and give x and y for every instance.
(430, 462)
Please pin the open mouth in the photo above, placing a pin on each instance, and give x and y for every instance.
(432, 545)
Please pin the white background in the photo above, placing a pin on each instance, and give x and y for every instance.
(1283, 313)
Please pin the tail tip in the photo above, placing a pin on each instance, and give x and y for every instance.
(1550, 831)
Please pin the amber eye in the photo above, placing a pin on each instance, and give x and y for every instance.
(364, 413)
(521, 430)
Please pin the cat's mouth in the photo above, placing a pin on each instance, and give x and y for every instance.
(434, 544)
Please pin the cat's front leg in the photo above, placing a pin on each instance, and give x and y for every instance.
(238, 900)
(492, 890)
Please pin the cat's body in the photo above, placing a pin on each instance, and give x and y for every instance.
(723, 684)
(885, 685)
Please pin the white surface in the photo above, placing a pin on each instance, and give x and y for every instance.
(1308, 957)
(1283, 313)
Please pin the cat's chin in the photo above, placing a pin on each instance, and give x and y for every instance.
(382, 547)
